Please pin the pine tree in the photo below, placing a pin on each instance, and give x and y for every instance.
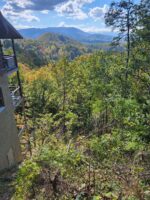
(144, 21)
(122, 17)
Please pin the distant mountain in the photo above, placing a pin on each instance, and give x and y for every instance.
(46, 48)
(74, 33)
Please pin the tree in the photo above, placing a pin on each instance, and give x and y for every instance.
(122, 17)
(144, 21)
(142, 31)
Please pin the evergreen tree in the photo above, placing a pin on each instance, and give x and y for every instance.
(122, 17)
(144, 21)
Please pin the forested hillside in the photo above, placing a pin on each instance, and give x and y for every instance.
(48, 48)
(88, 118)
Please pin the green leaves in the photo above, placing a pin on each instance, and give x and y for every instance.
(26, 178)
(87, 128)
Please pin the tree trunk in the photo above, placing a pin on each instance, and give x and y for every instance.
(128, 40)
(64, 102)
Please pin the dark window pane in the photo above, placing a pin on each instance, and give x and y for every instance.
(1, 98)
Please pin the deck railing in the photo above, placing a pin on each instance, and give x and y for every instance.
(9, 64)
(21, 130)
(16, 96)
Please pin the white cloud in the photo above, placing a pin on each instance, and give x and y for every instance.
(12, 14)
(45, 12)
(62, 24)
(94, 29)
(98, 13)
(26, 15)
(34, 5)
(20, 26)
(23, 9)
(73, 9)
(87, 28)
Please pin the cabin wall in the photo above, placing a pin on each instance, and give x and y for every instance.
(10, 153)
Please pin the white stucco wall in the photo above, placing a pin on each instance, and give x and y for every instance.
(10, 153)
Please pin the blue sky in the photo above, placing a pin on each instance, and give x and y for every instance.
(87, 15)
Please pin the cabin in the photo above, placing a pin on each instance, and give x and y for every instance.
(11, 98)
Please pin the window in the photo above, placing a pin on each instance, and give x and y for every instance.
(1, 98)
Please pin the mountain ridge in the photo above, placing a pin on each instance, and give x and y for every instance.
(73, 33)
